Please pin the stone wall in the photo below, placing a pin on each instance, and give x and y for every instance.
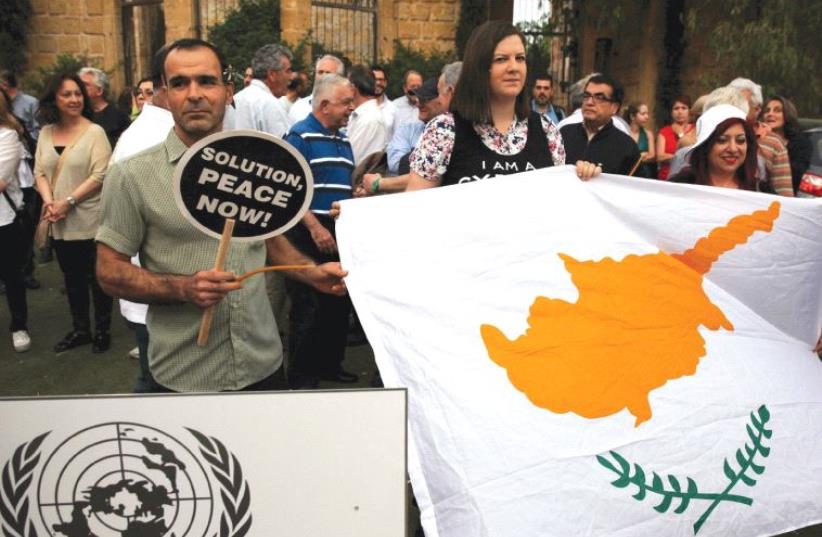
(93, 28)
(422, 24)
(90, 28)
(426, 25)
(180, 18)
(637, 51)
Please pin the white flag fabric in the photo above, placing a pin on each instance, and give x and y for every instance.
(620, 357)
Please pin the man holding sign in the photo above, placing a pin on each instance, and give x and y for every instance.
(244, 351)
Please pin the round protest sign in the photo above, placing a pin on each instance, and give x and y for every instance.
(253, 178)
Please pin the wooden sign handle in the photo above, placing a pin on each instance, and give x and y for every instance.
(273, 268)
(222, 252)
(633, 170)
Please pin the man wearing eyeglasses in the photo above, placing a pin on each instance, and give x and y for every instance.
(596, 139)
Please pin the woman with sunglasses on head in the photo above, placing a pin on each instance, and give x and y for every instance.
(780, 115)
(490, 129)
(72, 157)
(669, 135)
(724, 154)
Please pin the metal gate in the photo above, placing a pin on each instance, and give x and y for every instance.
(144, 33)
(552, 37)
(346, 27)
(211, 12)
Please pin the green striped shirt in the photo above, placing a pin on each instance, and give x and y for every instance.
(139, 215)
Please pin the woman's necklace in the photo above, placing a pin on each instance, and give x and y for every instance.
(679, 130)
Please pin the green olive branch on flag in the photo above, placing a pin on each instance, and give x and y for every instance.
(756, 431)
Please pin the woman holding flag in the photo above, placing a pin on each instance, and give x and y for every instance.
(490, 129)
(724, 154)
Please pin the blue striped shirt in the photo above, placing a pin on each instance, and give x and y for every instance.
(330, 158)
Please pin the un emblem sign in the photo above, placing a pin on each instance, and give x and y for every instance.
(123, 479)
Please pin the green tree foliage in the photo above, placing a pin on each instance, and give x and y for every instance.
(253, 24)
(538, 47)
(773, 42)
(14, 16)
(256, 23)
(66, 63)
(405, 58)
(472, 14)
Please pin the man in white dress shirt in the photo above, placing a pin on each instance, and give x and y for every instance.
(366, 130)
(326, 65)
(148, 129)
(387, 107)
(405, 105)
(257, 107)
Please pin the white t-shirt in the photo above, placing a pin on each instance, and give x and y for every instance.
(388, 110)
(366, 130)
(11, 151)
(256, 108)
(299, 110)
(147, 130)
(404, 111)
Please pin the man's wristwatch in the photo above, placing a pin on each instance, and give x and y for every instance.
(71, 201)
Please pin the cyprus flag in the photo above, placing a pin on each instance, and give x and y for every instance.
(621, 357)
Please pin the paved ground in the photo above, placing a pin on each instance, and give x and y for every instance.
(78, 371)
(40, 372)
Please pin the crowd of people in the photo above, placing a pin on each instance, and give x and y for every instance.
(94, 180)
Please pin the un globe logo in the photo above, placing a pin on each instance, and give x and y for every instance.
(124, 480)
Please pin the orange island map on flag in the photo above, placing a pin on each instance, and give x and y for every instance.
(584, 357)
(614, 358)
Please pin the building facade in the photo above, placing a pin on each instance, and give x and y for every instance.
(120, 36)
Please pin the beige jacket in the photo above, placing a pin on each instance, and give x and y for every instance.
(88, 158)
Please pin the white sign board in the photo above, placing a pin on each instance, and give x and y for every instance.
(224, 465)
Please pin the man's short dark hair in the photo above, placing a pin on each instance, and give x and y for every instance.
(189, 43)
(617, 93)
(9, 77)
(380, 68)
(544, 76)
(145, 79)
(158, 62)
(363, 79)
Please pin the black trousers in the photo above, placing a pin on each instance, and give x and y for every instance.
(34, 204)
(318, 324)
(76, 259)
(11, 264)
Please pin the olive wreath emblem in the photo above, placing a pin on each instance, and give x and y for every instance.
(746, 461)
(17, 477)
(18, 473)
(234, 490)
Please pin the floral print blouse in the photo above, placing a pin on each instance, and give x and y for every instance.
(432, 154)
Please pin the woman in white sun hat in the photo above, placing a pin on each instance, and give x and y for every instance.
(724, 154)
